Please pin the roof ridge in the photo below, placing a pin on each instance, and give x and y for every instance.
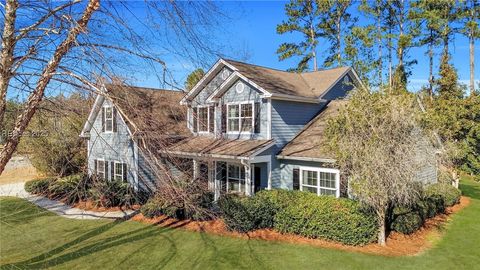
(145, 88)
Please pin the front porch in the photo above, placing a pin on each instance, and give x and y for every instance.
(229, 166)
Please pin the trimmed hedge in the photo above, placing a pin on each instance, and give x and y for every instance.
(71, 189)
(38, 186)
(327, 217)
(301, 213)
(112, 193)
(449, 193)
(243, 214)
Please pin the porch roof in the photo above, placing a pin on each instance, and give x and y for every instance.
(202, 146)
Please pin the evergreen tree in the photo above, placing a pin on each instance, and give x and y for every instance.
(193, 78)
(470, 14)
(303, 19)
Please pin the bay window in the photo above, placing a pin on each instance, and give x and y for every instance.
(321, 181)
(235, 178)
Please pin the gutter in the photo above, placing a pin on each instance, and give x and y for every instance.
(323, 160)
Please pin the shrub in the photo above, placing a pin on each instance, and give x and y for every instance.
(158, 205)
(341, 220)
(450, 194)
(70, 189)
(407, 223)
(38, 186)
(112, 193)
(244, 214)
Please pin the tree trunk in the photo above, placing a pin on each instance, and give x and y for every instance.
(430, 56)
(379, 40)
(381, 227)
(6, 61)
(37, 95)
(314, 48)
(472, 65)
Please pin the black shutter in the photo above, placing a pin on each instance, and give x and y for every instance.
(103, 119)
(194, 119)
(296, 179)
(224, 118)
(257, 107)
(112, 170)
(106, 170)
(124, 165)
(95, 167)
(114, 123)
(211, 115)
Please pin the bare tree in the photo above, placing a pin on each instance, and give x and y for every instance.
(57, 46)
(380, 147)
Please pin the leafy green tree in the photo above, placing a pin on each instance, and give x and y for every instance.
(193, 78)
(303, 19)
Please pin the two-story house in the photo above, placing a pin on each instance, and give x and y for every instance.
(242, 127)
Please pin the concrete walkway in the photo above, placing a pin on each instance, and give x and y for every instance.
(17, 190)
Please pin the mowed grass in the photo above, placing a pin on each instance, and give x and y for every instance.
(31, 238)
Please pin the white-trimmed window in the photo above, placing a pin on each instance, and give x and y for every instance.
(108, 124)
(240, 117)
(321, 181)
(101, 169)
(235, 178)
(119, 171)
(203, 119)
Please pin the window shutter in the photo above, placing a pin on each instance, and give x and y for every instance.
(211, 120)
(124, 165)
(224, 118)
(94, 167)
(296, 179)
(106, 170)
(257, 107)
(114, 111)
(103, 119)
(194, 119)
(112, 170)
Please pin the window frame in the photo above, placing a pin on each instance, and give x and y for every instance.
(106, 119)
(98, 172)
(239, 179)
(319, 170)
(240, 117)
(115, 174)
(207, 107)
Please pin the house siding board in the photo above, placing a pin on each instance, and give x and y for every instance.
(286, 170)
(116, 146)
(288, 118)
(340, 90)
(212, 85)
(146, 175)
(249, 94)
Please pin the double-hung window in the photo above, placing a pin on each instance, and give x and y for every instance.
(108, 119)
(240, 117)
(119, 171)
(321, 181)
(101, 169)
(235, 178)
(203, 119)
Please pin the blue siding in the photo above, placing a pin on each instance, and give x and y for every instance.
(201, 97)
(340, 90)
(117, 146)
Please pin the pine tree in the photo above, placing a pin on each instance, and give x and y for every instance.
(470, 14)
(303, 19)
(193, 78)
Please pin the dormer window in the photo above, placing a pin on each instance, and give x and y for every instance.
(108, 119)
(203, 119)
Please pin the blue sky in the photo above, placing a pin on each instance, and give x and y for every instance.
(252, 28)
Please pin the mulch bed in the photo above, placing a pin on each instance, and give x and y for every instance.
(397, 244)
(90, 206)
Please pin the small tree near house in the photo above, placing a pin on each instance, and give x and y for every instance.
(377, 143)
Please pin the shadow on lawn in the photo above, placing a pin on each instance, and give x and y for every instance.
(50, 258)
(470, 189)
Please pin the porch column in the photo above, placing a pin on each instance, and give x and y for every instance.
(211, 177)
(248, 180)
(269, 172)
(195, 169)
(216, 183)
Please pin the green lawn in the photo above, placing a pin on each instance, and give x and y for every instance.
(33, 238)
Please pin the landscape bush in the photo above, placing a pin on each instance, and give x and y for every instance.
(327, 217)
(158, 205)
(70, 189)
(244, 214)
(111, 193)
(38, 186)
(449, 193)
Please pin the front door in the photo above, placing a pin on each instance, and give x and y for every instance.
(257, 178)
